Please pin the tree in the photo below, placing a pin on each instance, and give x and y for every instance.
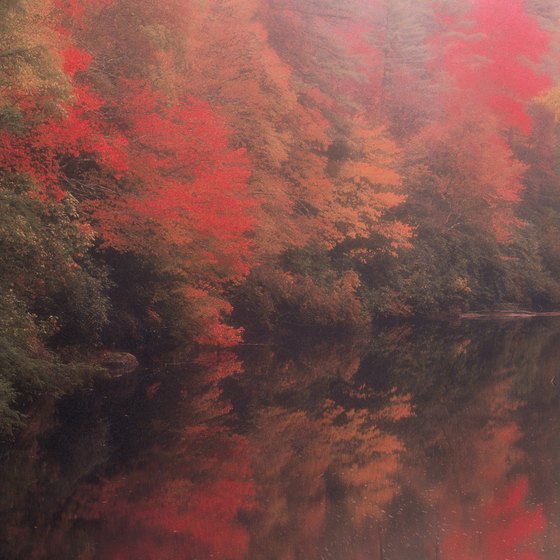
(151, 166)
(491, 56)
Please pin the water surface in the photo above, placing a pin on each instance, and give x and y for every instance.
(427, 442)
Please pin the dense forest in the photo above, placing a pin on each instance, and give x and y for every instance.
(186, 172)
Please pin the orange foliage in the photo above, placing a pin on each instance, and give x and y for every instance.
(471, 169)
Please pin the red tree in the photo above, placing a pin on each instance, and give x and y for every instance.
(492, 54)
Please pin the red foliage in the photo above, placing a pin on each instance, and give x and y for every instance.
(77, 129)
(75, 60)
(185, 188)
(160, 177)
(493, 59)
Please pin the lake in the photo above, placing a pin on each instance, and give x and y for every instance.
(423, 441)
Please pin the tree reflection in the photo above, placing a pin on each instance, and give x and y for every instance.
(425, 443)
(325, 453)
(464, 476)
(183, 497)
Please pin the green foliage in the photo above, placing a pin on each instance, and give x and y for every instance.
(44, 248)
(149, 311)
(459, 271)
(306, 291)
(30, 70)
(48, 294)
(27, 369)
(12, 119)
(446, 272)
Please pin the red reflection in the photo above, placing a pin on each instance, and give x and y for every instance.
(506, 529)
(184, 497)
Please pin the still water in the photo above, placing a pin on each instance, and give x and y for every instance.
(421, 443)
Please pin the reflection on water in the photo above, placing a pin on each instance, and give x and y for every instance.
(427, 442)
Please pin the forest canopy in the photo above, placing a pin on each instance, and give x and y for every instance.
(183, 172)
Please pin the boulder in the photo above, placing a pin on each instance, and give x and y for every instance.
(117, 363)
